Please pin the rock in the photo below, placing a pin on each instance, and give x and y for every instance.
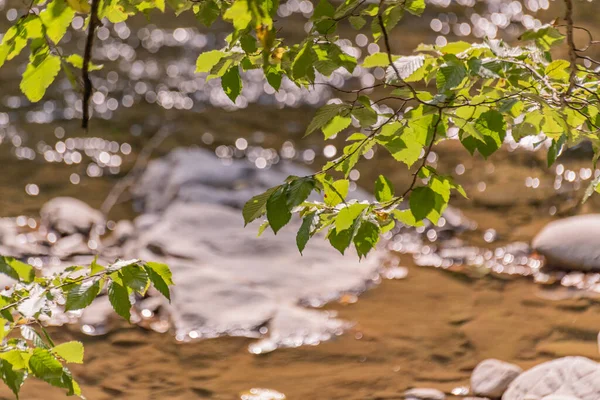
(67, 215)
(192, 175)
(70, 245)
(568, 378)
(228, 281)
(491, 377)
(572, 243)
(121, 233)
(424, 394)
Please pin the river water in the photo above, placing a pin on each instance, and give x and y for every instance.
(480, 297)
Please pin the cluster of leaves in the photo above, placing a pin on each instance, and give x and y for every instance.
(479, 92)
(26, 348)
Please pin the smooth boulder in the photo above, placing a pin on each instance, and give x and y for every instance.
(491, 377)
(564, 378)
(571, 243)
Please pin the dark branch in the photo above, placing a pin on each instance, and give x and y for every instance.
(87, 58)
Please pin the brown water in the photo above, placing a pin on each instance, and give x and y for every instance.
(429, 329)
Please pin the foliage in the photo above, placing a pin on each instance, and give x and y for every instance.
(479, 91)
(26, 347)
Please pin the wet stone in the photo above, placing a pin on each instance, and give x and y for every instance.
(568, 378)
(67, 215)
(571, 243)
(424, 394)
(491, 377)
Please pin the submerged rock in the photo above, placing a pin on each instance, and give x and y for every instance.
(228, 281)
(572, 243)
(67, 215)
(196, 175)
(424, 394)
(568, 378)
(491, 377)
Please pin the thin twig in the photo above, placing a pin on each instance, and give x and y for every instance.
(87, 58)
(571, 44)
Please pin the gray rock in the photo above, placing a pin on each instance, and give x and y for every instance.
(424, 394)
(67, 215)
(568, 378)
(228, 281)
(572, 243)
(491, 377)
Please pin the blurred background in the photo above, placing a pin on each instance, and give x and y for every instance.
(169, 160)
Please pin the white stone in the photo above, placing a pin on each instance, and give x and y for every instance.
(568, 378)
(424, 394)
(68, 215)
(491, 377)
(571, 243)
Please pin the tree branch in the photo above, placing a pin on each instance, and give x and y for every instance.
(571, 44)
(87, 58)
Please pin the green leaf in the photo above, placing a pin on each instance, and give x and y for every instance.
(274, 74)
(81, 295)
(323, 17)
(119, 299)
(40, 73)
(555, 149)
(162, 270)
(13, 379)
(256, 206)
(232, 83)
(407, 218)
(239, 14)
(422, 202)
(207, 60)
(324, 115)
(71, 352)
(366, 115)
(376, 60)
(299, 190)
(304, 233)
(558, 70)
(450, 76)
(357, 22)
(384, 189)
(159, 283)
(492, 126)
(278, 212)
(366, 238)
(415, 7)
(335, 192)
(77, 61)
(207, 12)
(135, 278)
(44, 365)
(346, 216)
(56, 19)
(545, 36)
(337, 124)
(455, 47)
(303, 65)
(16, 269)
